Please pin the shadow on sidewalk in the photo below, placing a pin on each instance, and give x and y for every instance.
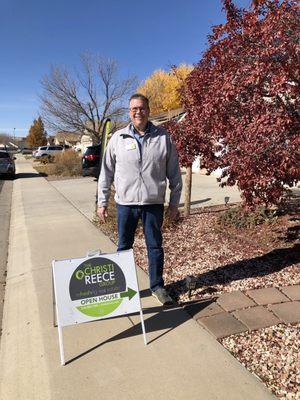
(274, 261)
(30, 175)
(164, 318)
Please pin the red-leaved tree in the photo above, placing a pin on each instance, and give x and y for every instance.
(187, 146)
(188, 149)
(243, 100)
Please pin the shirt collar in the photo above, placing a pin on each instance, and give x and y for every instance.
(135, 132)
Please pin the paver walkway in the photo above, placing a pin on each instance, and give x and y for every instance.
(237, 312)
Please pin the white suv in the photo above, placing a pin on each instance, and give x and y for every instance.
(47, 151)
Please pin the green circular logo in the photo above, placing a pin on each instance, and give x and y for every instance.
(96, 285)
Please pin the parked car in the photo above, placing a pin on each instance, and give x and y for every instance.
(26, 150)
(7, 164)
(47, 151)
(33, 150)
(91, 161)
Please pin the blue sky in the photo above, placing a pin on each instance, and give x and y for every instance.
(141, 35)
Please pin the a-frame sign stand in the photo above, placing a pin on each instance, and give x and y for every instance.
(98, 286)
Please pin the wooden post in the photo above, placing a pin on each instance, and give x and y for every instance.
(187, 190)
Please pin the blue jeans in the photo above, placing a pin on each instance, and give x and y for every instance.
(152, 219)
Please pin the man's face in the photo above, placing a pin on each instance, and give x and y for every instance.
(139, 113)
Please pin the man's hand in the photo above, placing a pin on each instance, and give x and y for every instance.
(173, 213)
(102, 213)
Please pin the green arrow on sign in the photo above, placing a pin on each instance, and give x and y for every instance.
(130, 293)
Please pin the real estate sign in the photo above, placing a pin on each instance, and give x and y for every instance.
(95, 287)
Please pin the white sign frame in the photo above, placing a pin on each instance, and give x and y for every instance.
(68, 272)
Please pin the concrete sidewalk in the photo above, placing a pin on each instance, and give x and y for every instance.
(107, 359)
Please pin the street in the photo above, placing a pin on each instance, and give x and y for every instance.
(5, 204)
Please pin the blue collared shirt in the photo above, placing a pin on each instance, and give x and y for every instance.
(138, 137)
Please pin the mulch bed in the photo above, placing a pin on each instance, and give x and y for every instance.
(225, 259)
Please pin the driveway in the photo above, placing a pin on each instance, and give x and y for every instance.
(205, 192)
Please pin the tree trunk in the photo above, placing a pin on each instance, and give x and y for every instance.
(187, 190)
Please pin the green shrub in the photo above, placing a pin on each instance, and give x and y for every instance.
(238, 217)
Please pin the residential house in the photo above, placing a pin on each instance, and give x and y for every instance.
(50, 140)
(67, 138)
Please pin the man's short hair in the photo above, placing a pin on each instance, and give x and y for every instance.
(140, 96)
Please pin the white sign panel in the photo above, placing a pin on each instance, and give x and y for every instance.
(97, 287)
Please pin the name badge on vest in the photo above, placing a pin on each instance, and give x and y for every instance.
(130, 146)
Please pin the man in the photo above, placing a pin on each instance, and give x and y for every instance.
(138, 159)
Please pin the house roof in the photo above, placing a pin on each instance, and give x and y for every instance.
(165, 116)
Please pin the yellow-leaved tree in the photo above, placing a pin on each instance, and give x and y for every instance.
(163, 88)
(163, 91)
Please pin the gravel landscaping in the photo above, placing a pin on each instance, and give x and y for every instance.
(225, 259)
(273, 354)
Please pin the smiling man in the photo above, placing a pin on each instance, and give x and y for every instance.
(139, 159)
